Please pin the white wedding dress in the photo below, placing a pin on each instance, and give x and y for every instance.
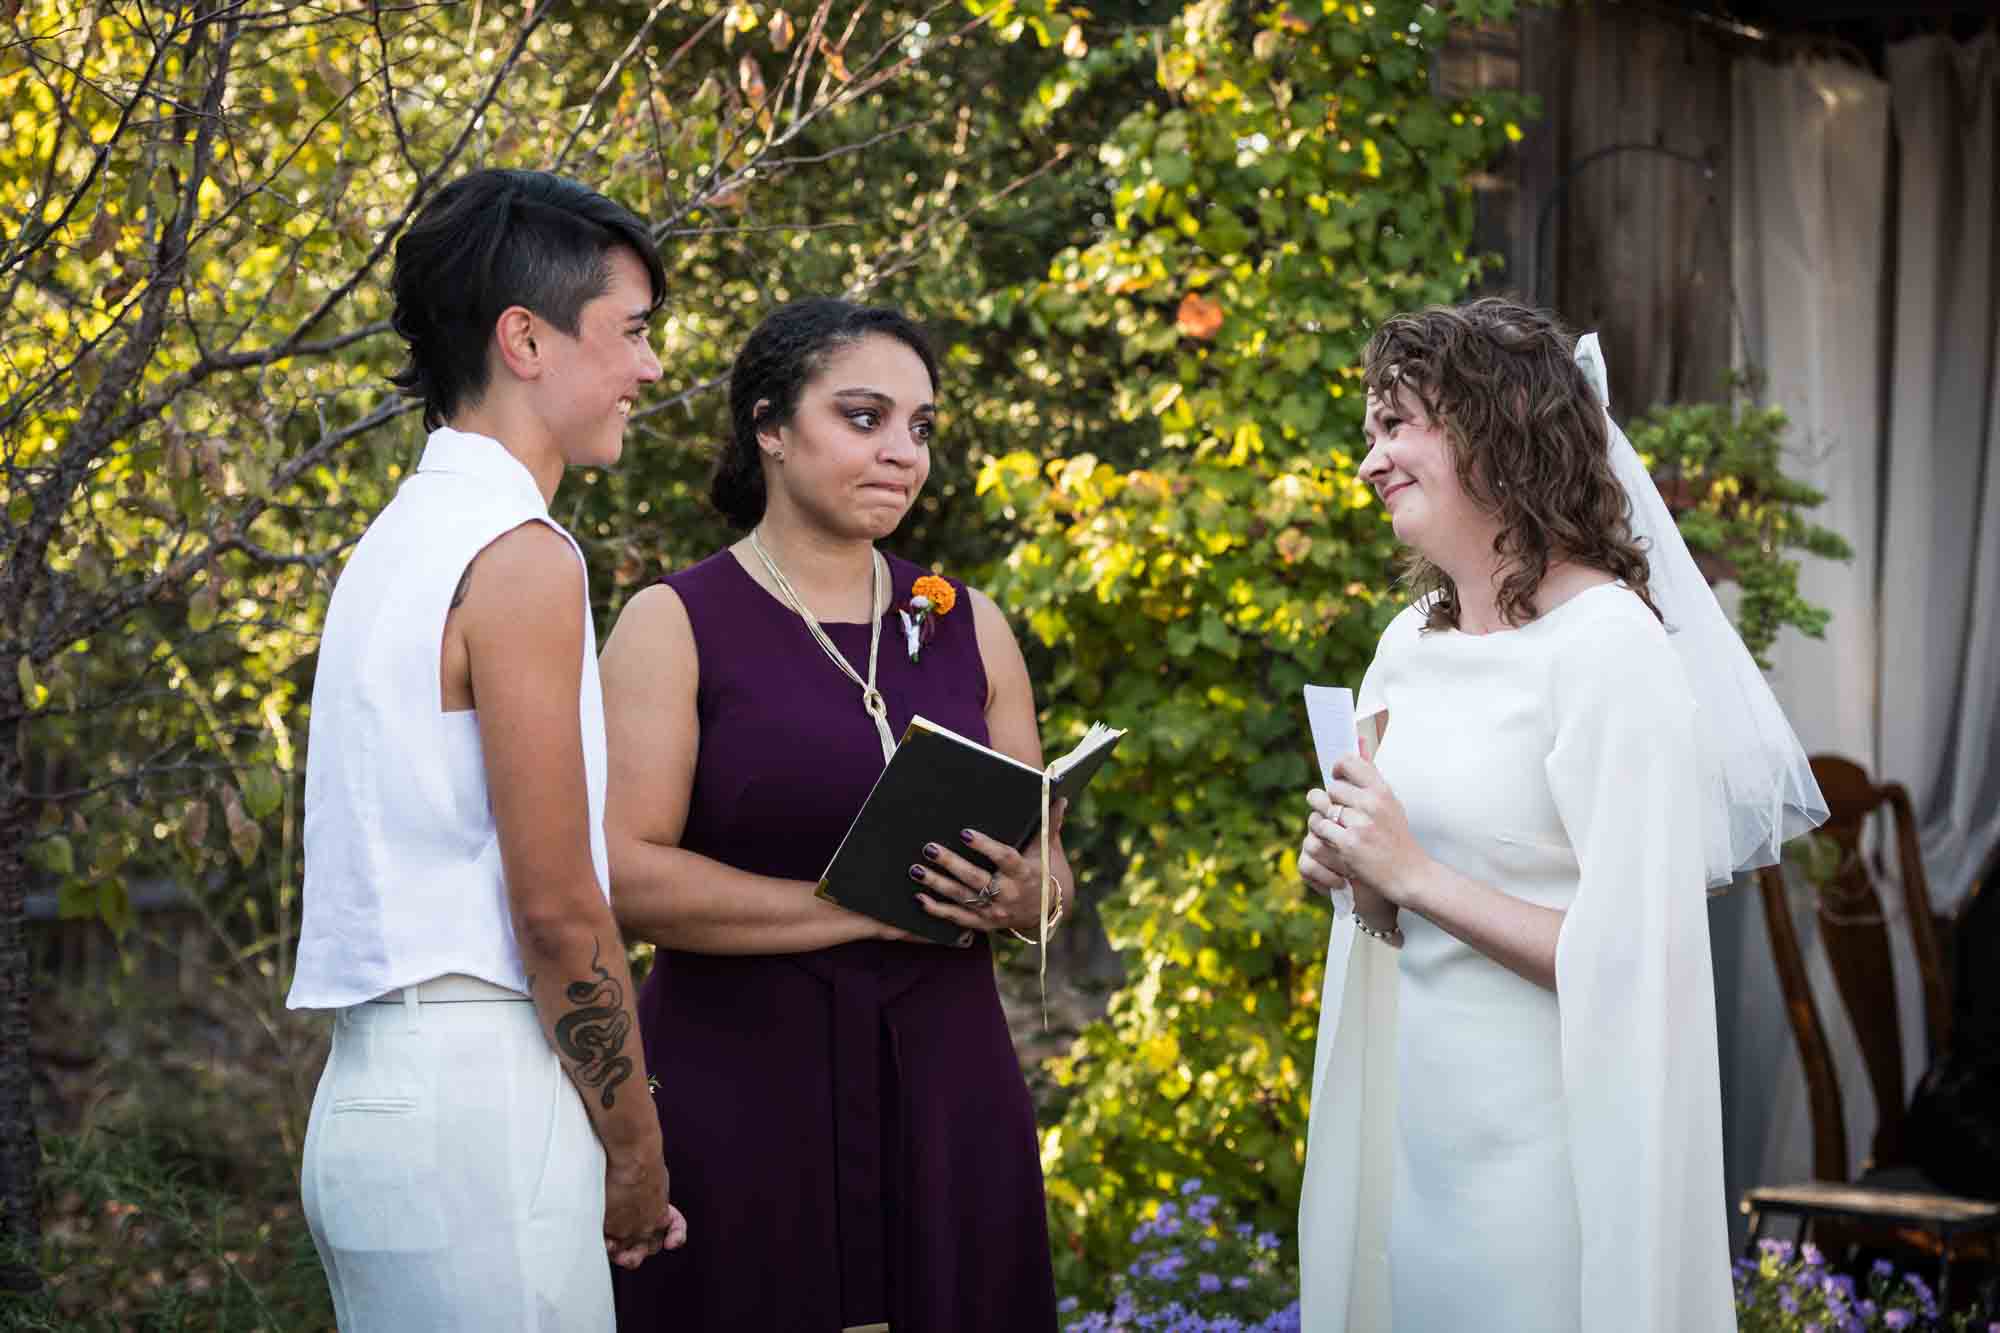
(1483, 1154)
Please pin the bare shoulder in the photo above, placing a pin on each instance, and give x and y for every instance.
(999, 650)
(985, 610)
(525, 574)
(652, 631)
(989, 622)
(656, 616)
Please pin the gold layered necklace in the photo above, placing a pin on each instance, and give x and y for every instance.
(871, 698)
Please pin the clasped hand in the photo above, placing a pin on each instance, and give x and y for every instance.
(1008, 897)
(638, 1220)
(1357, 833)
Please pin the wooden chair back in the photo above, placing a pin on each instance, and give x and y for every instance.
(1855, 935)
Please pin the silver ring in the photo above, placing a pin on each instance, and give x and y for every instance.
(990, 892)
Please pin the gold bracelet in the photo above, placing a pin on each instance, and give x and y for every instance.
(1393, 936)
(1054, 917)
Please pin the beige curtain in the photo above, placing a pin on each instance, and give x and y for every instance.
(1865, 260)
(1941, 533)
(1810, 185)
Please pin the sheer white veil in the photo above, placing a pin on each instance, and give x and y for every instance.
(1757, 788)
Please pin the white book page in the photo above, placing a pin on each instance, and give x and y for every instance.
(1093, 740)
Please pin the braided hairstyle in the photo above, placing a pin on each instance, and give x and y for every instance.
(781, 356)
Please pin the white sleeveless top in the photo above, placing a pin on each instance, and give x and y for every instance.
(402, 860)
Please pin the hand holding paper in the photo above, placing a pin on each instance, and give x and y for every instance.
(1330, 715)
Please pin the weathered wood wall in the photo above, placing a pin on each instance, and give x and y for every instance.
(1623, 181)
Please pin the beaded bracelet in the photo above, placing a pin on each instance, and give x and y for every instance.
(1054, 917)
(1393, 936)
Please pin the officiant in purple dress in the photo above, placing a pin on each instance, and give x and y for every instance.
(851, 1136)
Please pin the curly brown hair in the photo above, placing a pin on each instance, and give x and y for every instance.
(1527, 434)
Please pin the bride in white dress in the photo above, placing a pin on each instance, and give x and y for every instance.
(1516, 1121)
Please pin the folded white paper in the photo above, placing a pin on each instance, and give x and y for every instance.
(1330, 713)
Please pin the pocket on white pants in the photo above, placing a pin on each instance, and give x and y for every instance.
(374, 1163)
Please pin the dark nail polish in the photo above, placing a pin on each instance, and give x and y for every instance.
(917, 873)
(965, 835)
(932, 851)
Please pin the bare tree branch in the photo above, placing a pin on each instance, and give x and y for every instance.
(263, 556)
(611, 77)
(389, 93)
(87, 437)
(422, 191)
(909, 245)
(292, 344)
(684, 396)
(27, 243)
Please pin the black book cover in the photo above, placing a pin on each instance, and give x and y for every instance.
(937, 783)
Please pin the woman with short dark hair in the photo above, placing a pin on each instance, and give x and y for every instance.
(1516, 1120)
(480, 1138)
(842, 1102)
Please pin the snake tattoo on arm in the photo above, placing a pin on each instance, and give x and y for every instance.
(592, 1035)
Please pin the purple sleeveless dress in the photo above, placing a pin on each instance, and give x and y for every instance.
(847, 1130)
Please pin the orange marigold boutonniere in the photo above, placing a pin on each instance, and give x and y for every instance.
(930, 598)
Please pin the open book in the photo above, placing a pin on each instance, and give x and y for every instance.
(937, 783)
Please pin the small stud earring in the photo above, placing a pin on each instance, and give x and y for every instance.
(777, 455)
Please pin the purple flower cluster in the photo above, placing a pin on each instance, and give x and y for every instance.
(1788, 1289)
(1195, 1274)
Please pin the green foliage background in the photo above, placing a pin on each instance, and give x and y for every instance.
(1153, 240)
(1288, 180)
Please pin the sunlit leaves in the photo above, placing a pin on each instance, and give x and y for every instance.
(1720, 468)
(189, 696)
(1269, 205)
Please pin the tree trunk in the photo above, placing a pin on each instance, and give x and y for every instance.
(20, 1152)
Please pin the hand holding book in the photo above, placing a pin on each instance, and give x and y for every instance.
(1008, 896)
(937, 786)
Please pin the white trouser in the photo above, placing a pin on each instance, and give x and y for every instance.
(452, 1179)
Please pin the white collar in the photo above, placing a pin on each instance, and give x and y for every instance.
(484, 459)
